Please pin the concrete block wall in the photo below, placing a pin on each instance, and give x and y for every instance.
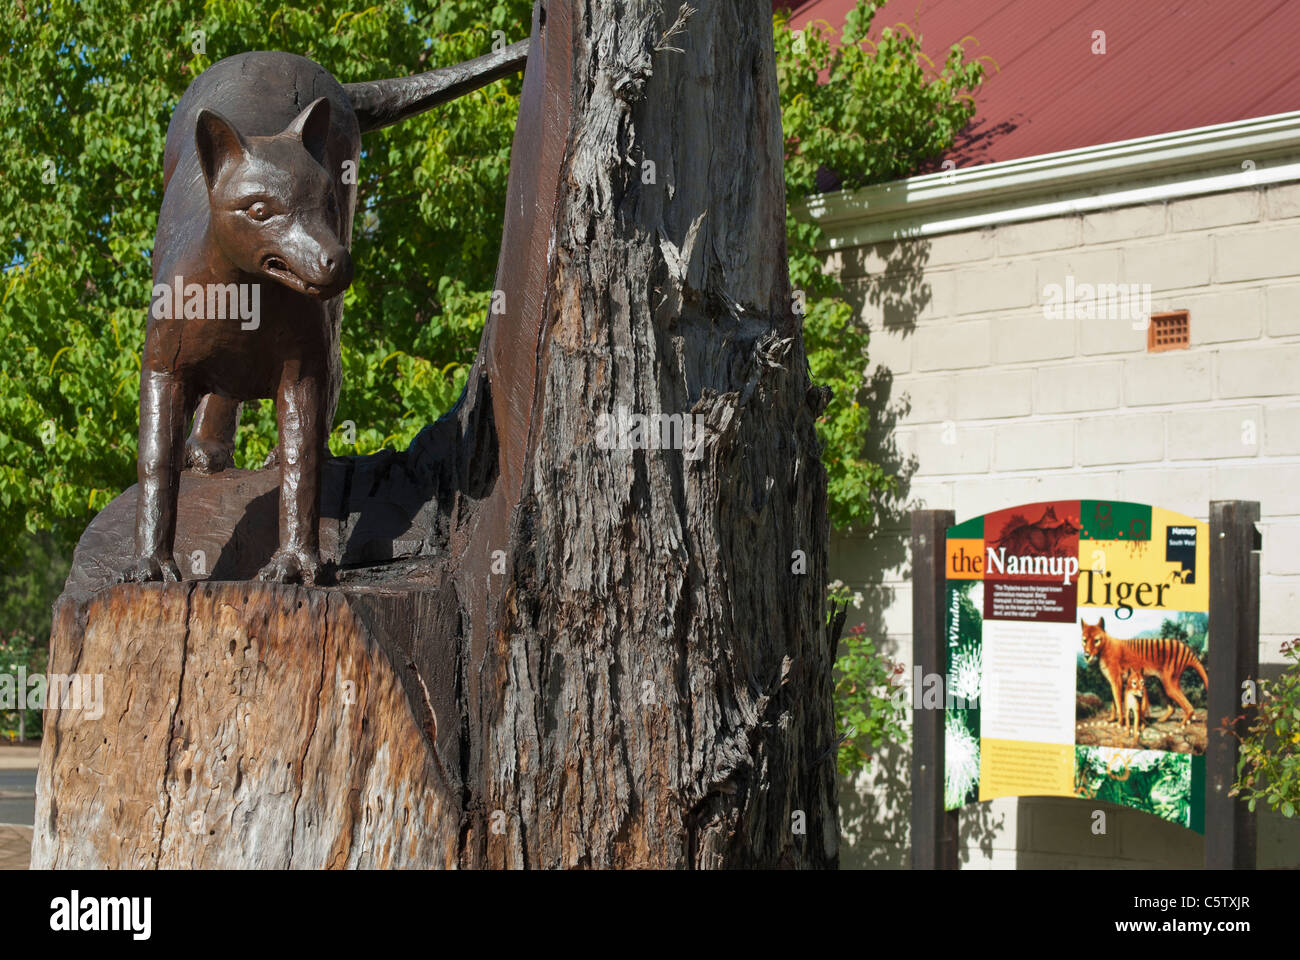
(993, 404)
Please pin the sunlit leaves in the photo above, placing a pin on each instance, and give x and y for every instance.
(866, 113)
(1268, 765)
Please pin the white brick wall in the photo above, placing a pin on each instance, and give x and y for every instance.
(1169, 262)
(1213, 434)
(1008, 407)
(1074, 387)
(1282, 305)
(1282, 430)
(1133, 439)
(988, 395)
(1033, 446)
(1256, 254)
(1179, 376)
(1017, 339)
(1123, 224)
(1252, 372)
(1001, 286)
(952, 346)
(1216, 210)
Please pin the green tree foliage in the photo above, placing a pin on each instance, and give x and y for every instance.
(1268, 756)
(21, 656)
(870, 702)
(31, 581)
(89, 88)
(869, 112)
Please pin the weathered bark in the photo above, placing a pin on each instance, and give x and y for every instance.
(666, 675)
(573, 655)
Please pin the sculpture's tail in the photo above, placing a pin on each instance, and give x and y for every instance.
(381, 102)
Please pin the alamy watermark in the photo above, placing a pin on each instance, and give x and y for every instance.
(934, 691)
(624, 430)
(1099, 301)
(213, 301)
(75, 913)
(64, 691)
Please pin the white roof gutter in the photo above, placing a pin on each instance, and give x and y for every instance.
(1228, 156)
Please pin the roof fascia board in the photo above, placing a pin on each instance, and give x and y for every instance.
(1053, 184)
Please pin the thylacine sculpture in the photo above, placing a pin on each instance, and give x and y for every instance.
(250, 262)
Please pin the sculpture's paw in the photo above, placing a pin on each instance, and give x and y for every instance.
(150, 569)
(208, 456)
(292, 565)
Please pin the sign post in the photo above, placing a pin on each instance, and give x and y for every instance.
(1234, 625)
(934, 829)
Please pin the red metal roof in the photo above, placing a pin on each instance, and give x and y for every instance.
(1169, 65)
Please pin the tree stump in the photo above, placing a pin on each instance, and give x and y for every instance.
(247, 725)
(553, 643)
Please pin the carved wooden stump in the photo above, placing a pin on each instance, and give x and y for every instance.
(247, 725)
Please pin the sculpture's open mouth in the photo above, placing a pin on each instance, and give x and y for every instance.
(273, 266)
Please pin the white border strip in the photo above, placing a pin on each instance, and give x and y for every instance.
(992, 193)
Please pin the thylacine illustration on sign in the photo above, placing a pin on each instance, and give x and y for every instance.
(1045, 536)
(1135, 702)
(1162, 657)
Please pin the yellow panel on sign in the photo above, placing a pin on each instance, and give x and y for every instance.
(1018, 768)
(1156, 574)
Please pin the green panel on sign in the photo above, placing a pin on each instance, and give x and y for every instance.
(964, 628)
(972, 529)
(1114, 520)
(1197, 797)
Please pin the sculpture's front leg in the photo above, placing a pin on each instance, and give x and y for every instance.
(300, 418)
(164, 413)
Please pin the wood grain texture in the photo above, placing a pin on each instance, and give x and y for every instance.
(246, 726)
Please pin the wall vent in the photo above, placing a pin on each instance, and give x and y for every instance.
(1169, 331)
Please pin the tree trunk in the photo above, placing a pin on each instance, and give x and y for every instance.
(568, 642)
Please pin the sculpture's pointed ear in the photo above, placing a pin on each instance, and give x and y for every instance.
(312, 127)
(217, 142)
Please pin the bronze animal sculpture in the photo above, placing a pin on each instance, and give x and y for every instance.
(250, 262)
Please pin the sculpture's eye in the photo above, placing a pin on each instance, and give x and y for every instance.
(258, 211)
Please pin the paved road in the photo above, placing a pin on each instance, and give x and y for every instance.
(18, 796)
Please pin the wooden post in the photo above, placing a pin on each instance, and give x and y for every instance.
(934, 830)
(1234, 658)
